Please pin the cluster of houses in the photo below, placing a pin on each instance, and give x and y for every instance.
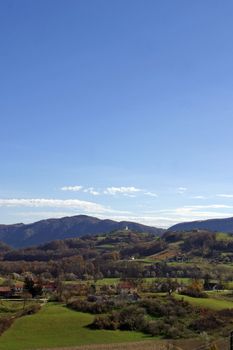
(125, 289)
(9, 291)
(17, 290)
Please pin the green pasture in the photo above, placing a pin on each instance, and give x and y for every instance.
(100, 282)
(57, 326)
(209, 303)
(107, 281)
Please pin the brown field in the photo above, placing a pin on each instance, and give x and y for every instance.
(185, 344)
(164, 255)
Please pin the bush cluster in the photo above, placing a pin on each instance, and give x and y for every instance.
(91, 307)
(171, 307)
(130, 318)
(136, 318)
(205, 323)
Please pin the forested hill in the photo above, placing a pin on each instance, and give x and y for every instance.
(215, 225)
(20, 235)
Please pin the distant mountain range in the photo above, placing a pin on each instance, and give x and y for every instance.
(21, 235)
(220, 225)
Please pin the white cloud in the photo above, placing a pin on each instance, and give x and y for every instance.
(158, 218)
(189, 213)
(71, 188)
(181, 190)
(121, 190)
(198, 197)
(129, 191)
(55, 203)
(92, 191)
(210, 206)
(225, 195)
(151, 194)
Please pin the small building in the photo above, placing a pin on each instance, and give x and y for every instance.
(17, 288)
(49, 287)
(5, 292)
(126, 287)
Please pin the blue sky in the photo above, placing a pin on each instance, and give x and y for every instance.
(118, 109)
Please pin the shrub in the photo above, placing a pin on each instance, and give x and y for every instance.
(173, 332)
(106, 322)
(91, 307)
(30, 310)
(195, 289)
(153, 328)
(132, 318)
(208, 322)
(129, 318)
(172, 307)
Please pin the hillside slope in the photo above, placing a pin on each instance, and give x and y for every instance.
(20, 235)
(219, 225)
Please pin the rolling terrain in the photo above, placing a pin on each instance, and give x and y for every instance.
(21, 235)
(215, 225)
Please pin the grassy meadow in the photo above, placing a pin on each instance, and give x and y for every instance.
(209, 303)
(56, 326)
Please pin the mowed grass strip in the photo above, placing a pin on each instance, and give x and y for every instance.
(209, 303)
(56, 326)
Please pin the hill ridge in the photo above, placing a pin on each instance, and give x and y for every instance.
(218, 224)
(24, 235)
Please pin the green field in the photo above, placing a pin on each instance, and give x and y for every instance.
(57, 326)
(1, 280)
(222, 236)
(11, 307)
(209, 303)
(100, 282)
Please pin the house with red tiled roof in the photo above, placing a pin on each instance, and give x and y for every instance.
(5, 291)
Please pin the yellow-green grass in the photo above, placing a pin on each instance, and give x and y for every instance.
(105, 246)
(145, 260)
(222, 236)
(100, 282)
(209, 303)
(229, 285)
(57, 326)
(107, 281)
(11, 307)
(113, 280)
(8, 307)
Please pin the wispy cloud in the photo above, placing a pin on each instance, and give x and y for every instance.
(128, 191)
(209, 206)
(189, 213)
(150, 194)
(225, 195)
(71, 188)
(198, 197)
(181, 190)
(122, 190)
(92, 191)
(55, 203)
(45, 208)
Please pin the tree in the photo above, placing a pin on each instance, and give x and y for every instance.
(32, 288)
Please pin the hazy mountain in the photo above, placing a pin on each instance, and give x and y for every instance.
(20, 235)
(223, 225)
